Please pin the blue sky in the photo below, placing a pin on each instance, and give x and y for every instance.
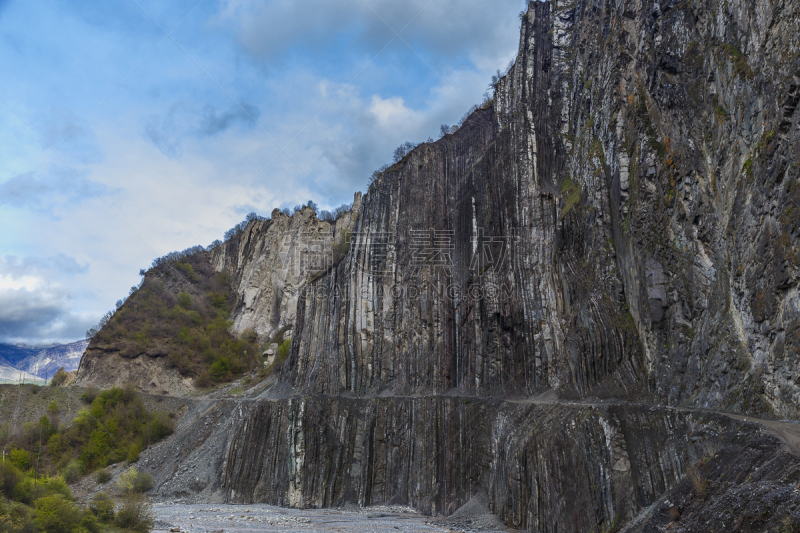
(132, 128)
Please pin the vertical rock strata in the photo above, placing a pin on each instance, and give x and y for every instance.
(617, 230)
(619, 223)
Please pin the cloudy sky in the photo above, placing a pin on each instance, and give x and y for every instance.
(132, 128)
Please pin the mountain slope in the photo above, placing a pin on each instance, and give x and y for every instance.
(9, 374)
(550, 304)
(42, 361)
(11, 354)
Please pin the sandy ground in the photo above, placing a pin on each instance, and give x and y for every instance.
(209, 518)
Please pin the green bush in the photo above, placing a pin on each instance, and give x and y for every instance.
(55, 514)
(102, 506)
(133, 453)
(220, 369)
(90, 394)
(136, 514)
(133, 481)
(188, 271)
(73, 471)
(10, 477)
(282, 353)
(103, 476)
(20, 458)
(185, 300)
(53, 407)
(88, 523)
(59, 377)
(55, 445)
(30, 489)
(15, 518)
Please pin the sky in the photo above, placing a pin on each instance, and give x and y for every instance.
(133, 128)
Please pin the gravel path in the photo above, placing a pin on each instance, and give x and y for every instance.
(209, 518)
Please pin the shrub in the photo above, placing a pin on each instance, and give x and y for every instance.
(20, 458)
(699, 483)
(282, 353)
(90, 394)
(10, 476)
(103, 476)
(73, 471)
(133, 453)
(204, 380)
(55, 514)
(55, 445)
(220, 369)
(161, 426)
(53, 407)
(403, 150)
(136, 514)
(30, 489)
(102, 506)
(15, 518)
(133, 481)
(185, 300)
(88, 523)
(188, 271)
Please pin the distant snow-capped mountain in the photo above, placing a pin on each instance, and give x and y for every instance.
(9, 374)
(42, 362)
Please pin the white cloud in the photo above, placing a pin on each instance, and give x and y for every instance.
(36, 307)
(28, 283)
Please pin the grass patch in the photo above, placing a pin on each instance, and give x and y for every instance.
(739, 61)
(571, 192)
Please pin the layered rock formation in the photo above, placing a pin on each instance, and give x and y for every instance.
(621, 223)
(271, 263)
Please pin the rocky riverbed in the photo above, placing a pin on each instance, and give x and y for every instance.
(252, 518)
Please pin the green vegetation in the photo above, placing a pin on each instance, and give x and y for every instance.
(59, 377)
(133, 481)
(41, 459)
(102, 476)
(747, 168)
(102, 506)
(181, 311)
(341, 248)
(740, 66)
(764, 143)
(612, 527)
(135, 514)
(571, 192)
(116, 421)
(281, 354)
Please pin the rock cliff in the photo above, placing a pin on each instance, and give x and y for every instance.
(551, 304)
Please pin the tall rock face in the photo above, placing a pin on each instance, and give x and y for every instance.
(620, 221)
(550, 303)
(270, 265)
